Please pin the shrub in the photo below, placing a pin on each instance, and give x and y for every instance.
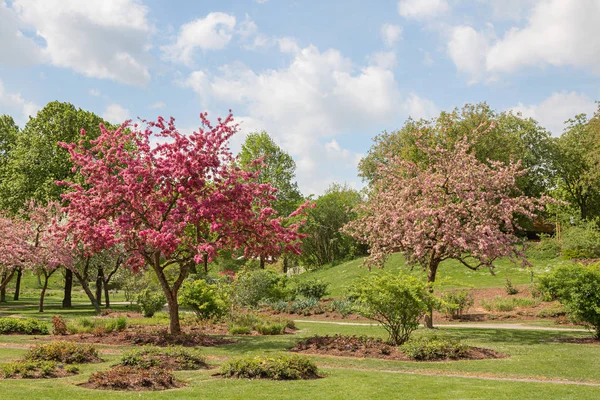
(433, 347)
(456, 302)
(30, 369)
(284, 367)
(59, 327)
(303, 305)
(27, 326)
(244, 324)
(239, 330)
(397, 302)
(207, 301)
(64, 352)
(96, 326)
(581, 241)
(343, 307)
(177, 357)
(578, 289)
(150, 301)
(253, 286)
(123, 378)
(509, 288)
(311, 288)
(559, 283)
(500, 303)
(278, 305)
(271, 328)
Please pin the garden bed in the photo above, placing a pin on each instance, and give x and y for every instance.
(133, 379)
(366, 347)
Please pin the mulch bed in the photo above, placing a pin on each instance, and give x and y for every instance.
(588, 340)
(146, 335)
(366, 347)
(133, 379)
(36, 374)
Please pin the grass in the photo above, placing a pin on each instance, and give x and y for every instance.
(500, 303)
(451, 273)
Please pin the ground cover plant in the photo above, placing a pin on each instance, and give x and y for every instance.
(27, 326)
(170, 357)
(35, 369)
(284, 367)
(64, 352)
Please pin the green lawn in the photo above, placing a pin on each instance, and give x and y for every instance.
(451, 273)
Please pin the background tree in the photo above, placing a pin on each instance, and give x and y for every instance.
(508, 137)
(324, 242)
(455, 207)
(15, 251)
(152, 200)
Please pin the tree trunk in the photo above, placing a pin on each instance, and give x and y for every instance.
(431, 272)
(4, 281)
(18, 285)
(285, 263)
(99, 281)
(174, 326)
(170, 293)
(43, 295)
(66, 303)
(106, 298)
(86, 287)
(262, 262)
(206, 263)
(39, 279)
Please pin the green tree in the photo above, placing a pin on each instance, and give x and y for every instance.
(325, 243)
(506, 136)
(8, 136)
(36, 162)
(575, 158)
(278, 169)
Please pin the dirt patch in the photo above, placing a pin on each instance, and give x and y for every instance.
(365, 347)
(133, 379)
(154, 336)
(588, 340)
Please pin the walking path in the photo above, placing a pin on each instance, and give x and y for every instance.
(466, 325)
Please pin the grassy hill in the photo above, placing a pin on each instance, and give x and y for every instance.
(451, 274)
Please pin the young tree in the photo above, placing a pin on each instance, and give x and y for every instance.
(14, 249)
(454, 207)
(154, 199)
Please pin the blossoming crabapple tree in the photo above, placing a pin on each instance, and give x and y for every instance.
(450, 207)
(14, 249)
(166, 196)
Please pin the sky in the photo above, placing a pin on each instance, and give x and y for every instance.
(322, 77)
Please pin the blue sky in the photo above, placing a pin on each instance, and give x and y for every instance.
(321, 77)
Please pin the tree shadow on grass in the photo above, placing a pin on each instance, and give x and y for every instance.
(512, 336)
(261, 344)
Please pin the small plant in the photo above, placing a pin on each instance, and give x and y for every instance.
(343, 307)
(271, 328)
(244, 324)
(59, 327)
(239, 330)
(434, 347)
(129, 378)
(397, 302)
(284, 367)
(510, 289)
(97, 326)
(150, 301)
(279, 306)
(455, 303)
(64, 352)
(311, 288)
(303, 305)
(207, 301)
(173, 357)
(33, 369)
(252, 287)
(500, 303)
(27, 326)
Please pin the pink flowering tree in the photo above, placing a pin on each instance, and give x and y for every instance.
(15, 251)
(166, 198)
(450, 207)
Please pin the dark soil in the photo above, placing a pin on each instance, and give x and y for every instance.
(133, 379)
(366, 347)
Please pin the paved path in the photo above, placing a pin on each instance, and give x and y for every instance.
(467, 325)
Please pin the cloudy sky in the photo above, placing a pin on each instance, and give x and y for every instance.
(321, 77)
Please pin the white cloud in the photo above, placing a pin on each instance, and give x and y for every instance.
(557, 33)
(212, 32)
(384, 59)
(262, 1)
(422, 9)
(552, 112)
(16, 49)
(391, 34)
(288, 45)
(94, 92)
(15, 102)
(116, 114)
(107, 39)
(158, 105)
(307, 104)
(419, 107)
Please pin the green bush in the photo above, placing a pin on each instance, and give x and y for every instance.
(303, 305)
(253, 286)
(148, 356)
(245, 323)
(64, 352)
(150, 301)
(433, 347)
(278, 305)
(581, 241)
(271, 328)
(311, 288)
(343, 307)
(284, 367)
(559, 283)
(456, 302)
(509, 287)
(578, 289)
(239, 330)
(397, 302)
(207, 301)
(500, 303)
(27, 369)
(27, 326)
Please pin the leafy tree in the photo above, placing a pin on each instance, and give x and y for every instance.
(278, 168)
(154, 200)
(576, 160)
(508, 137)
(325, 243)
(9, 132)
(454, 207)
